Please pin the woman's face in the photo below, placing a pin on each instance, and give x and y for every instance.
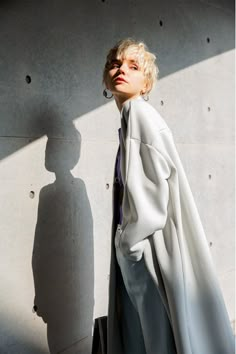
(125, 78)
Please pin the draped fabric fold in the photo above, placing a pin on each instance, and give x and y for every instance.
(161, 223)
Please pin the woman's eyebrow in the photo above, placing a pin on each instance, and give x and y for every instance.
(132, 61)
(135, 62)
(115, 61)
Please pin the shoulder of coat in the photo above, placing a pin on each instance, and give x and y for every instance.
(146, 122)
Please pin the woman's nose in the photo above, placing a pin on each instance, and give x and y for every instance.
(123, 68)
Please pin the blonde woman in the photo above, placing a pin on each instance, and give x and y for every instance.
(164, 296)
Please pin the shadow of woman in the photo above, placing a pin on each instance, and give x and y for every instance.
(63, 254)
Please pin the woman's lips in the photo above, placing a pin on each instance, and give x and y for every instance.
(120, 79)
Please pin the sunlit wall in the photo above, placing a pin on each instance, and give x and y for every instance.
(58, 141)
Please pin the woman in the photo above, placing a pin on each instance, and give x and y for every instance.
(164, 295)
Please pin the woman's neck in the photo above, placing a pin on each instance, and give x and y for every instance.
(121, 100)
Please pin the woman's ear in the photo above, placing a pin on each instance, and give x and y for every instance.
(106, 83)
(145, 88)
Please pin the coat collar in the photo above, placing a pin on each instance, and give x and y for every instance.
(126, 105)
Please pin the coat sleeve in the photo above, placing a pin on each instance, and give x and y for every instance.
(145, 196)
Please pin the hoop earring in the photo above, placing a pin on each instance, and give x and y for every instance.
(144, 95)
(146, 98)
(105, 94)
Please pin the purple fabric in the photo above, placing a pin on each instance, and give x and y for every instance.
(118, 174)
(118, 165)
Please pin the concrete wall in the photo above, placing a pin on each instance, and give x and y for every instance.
(55, 225)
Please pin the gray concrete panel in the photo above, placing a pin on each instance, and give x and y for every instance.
(58, 141)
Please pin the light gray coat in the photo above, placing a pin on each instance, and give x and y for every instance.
(161, 222)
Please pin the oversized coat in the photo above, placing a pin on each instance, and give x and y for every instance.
(162, 224)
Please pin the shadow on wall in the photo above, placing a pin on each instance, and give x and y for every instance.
(54, 49)
(63, 255)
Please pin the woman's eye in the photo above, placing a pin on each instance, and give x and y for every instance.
(134, 67)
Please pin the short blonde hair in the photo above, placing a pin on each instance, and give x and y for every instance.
(145, 59)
